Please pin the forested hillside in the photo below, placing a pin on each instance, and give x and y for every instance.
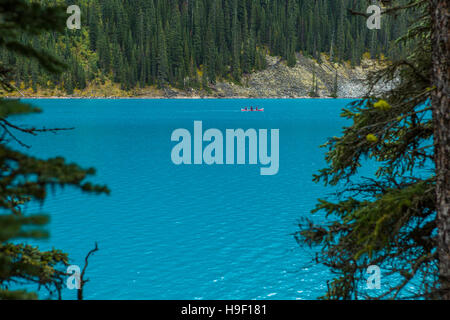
(193, 43)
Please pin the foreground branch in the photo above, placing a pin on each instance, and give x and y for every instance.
(82, 280)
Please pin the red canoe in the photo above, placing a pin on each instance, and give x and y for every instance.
(248, 109)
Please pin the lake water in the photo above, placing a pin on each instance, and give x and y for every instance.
(186, 232)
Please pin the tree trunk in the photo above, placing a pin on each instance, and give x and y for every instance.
(441, 118)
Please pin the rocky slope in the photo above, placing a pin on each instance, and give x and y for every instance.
(276, 81)
(281, 81)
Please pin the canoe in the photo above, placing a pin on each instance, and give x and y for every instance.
(248, 110)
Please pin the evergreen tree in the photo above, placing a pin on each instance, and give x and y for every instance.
(334, 93)
(24, 178)
(162, 60)
(176, 60)
(121, 40)
(440, 28)
(395, 220)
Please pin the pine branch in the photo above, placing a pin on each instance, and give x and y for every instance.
(82, 280)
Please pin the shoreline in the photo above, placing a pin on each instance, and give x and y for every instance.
(175, 98)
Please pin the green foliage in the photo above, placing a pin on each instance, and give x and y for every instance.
(15, 107)
(24, 178)
(19, 18)
(159, 42)
(314, 86)
(334, 93)
(389, 221)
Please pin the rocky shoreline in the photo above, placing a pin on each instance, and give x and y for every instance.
(276, 81)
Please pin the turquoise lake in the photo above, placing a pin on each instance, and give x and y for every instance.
(186, 232)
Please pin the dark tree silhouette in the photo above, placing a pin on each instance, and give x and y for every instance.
(24, 178)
